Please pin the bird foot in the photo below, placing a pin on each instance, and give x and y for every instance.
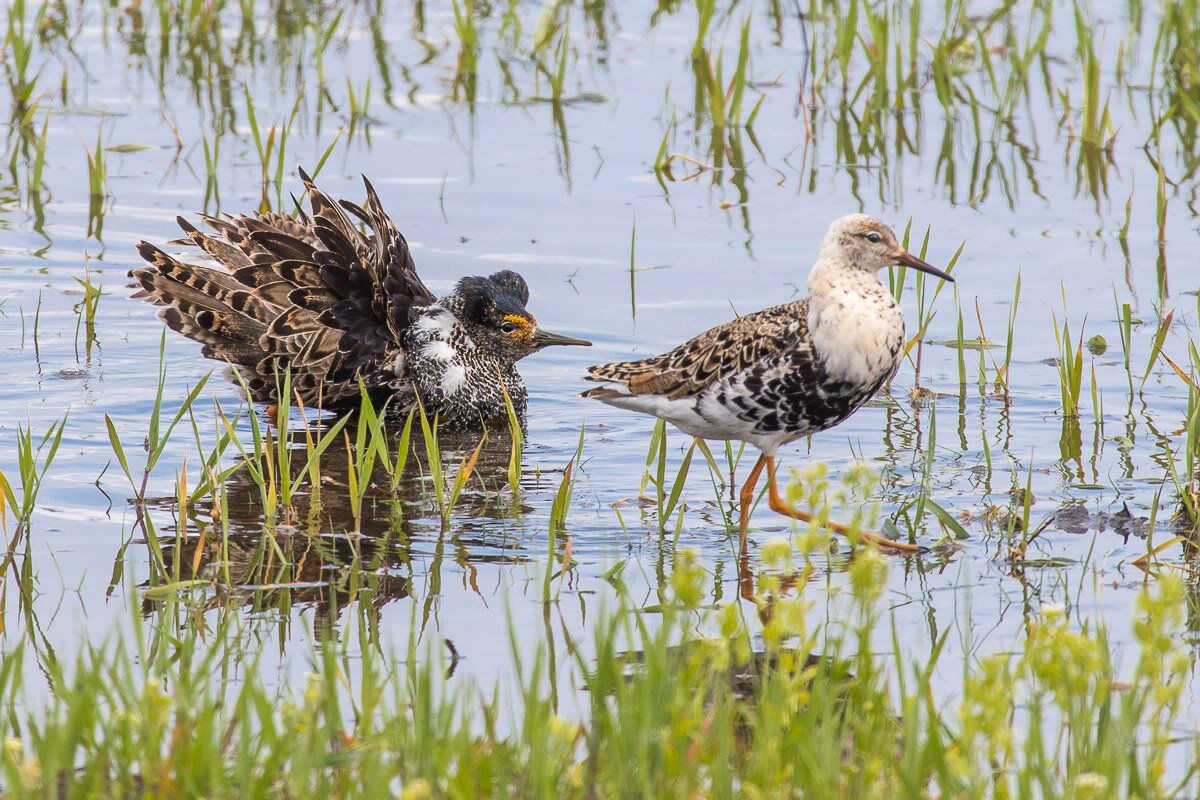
(884, 544)
(893, 547)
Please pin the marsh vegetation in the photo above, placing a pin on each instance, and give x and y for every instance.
(196, 599)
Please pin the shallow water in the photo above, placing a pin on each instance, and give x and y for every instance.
(567, 193)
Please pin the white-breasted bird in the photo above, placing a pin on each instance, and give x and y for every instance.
(773, 376)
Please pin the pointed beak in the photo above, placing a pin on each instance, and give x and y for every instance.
(909, 260)
(543, 338)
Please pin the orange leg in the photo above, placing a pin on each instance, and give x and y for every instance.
(746, 498)
(778, 504)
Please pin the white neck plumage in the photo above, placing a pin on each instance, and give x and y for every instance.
(855, 325)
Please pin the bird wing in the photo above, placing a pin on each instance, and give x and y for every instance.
(313, 294)
(740, 344)
(370, 287)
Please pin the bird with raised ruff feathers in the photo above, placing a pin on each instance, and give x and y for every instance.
(772, 376)
(337, 306)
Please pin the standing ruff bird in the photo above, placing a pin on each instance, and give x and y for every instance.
(772, 376)
(334, 305)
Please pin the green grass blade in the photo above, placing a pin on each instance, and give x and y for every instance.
(115, 440)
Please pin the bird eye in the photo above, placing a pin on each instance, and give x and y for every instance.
(508, 327)
(874, 238)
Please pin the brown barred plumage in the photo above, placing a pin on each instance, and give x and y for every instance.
(337, 305)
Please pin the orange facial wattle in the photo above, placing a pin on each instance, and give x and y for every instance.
(524, 331)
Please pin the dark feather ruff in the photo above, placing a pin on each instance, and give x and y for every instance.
(312, 294)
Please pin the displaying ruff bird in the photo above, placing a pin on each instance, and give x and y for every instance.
(334, 305)
(770, 377)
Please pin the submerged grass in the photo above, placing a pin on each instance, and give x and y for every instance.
(866, 68)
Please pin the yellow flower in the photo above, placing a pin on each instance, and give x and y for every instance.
(1053, 612)
(777, 553)
(417, 789)
(868, 573)
(1088, 785)
(31, 773)
(313, 689)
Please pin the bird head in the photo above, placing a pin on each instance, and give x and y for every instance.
(862, 242)
(492, 309)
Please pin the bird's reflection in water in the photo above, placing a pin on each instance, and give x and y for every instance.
(318, 553)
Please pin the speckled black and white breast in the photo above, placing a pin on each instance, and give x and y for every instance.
(844, 351)
(455, 377)
(786, 398)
